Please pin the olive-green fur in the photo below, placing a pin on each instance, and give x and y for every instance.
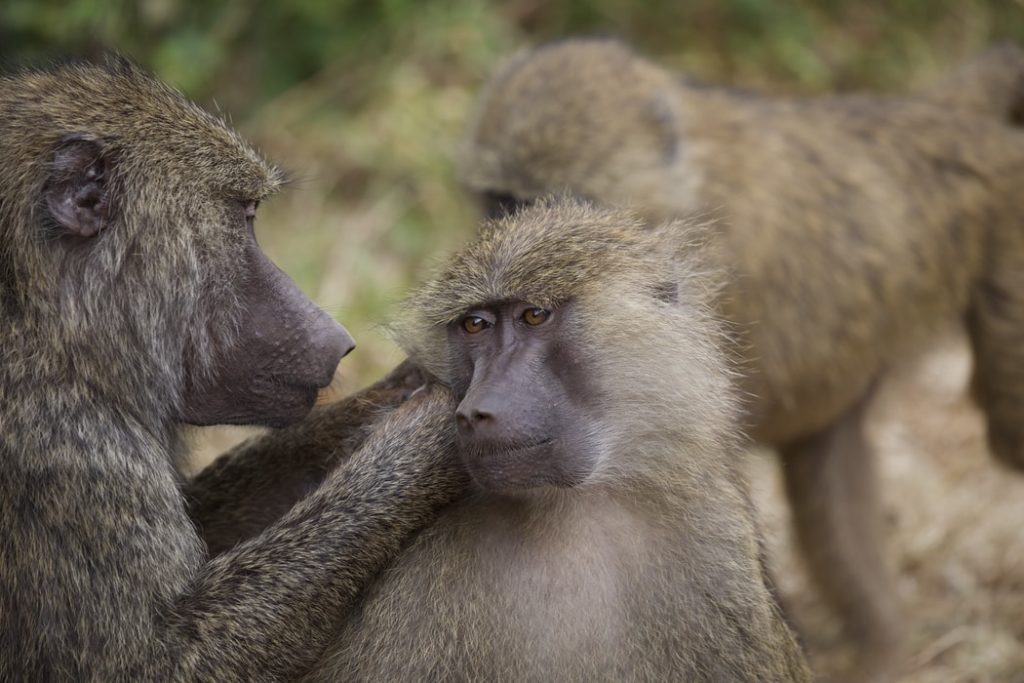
(590, 253)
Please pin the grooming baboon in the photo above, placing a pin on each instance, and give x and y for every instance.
(133, 296)
(852, 227)
(609, 535)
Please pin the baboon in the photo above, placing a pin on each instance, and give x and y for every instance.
(608, 535)
(852, 228)
(134, 297)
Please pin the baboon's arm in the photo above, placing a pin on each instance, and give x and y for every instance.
(266, 608)
(252, 485)
(111, 586)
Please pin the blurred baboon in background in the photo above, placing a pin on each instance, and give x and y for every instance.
(852, 227)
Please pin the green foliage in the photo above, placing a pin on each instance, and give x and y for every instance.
(204, 47)
(269, 46)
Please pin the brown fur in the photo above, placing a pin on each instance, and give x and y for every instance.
(103, 576)
(853, 228)
(650, 569)
(254, 484)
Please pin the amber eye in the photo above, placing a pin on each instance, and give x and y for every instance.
(473, 324)
(535, 316)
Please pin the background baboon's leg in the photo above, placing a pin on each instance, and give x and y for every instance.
(253, 484)
(996, 326)
(831, 483)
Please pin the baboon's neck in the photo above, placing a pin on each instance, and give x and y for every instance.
(65, 424)
(542, 503)
(53, 395)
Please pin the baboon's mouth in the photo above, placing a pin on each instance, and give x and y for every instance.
(530, 445)
(331, 391)
(520, 466)
(486, 450)
(312, 385)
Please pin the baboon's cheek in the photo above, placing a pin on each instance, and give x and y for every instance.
(283, 353)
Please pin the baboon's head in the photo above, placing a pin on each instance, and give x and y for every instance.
(579, 343)
(587, 117)
(127, 244)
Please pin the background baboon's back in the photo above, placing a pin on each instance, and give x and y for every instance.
(365, 102)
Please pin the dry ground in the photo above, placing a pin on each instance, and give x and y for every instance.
(955, 524)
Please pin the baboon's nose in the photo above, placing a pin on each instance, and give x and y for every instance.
(348, 343)
(328, 342)
(470, 418)
(330, 339)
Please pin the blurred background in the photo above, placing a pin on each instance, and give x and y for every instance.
(364, 103)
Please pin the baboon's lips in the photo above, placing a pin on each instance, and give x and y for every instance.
(332, 392)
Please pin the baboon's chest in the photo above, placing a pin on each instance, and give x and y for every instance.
(494, 599)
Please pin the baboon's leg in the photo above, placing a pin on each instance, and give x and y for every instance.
(831, 482)
(996, 326)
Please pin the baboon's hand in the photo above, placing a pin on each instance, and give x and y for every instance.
(416, 442)
(434, 403)
(390, 391)
(428, 414)
(406, 376)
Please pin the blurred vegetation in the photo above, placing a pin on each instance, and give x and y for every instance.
(364, 101)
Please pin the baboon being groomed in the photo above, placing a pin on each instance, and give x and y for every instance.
(608, 535)
(133, 297)
(852, 228)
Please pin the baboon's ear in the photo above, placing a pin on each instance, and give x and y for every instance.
(76, 191)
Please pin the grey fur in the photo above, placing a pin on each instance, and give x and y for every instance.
(103, 575)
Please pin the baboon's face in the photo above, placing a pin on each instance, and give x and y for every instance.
(524, 419)
(253, 348)
(286, 348)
